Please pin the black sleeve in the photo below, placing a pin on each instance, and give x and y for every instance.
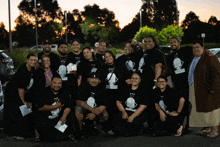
(22, 78)
(80, 69)
(158, 57)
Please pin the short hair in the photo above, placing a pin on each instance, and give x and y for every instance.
(138, 73)
(102, 41)
(199, 42)
(56, 75)
(30, 54)
(174, 37)
(162, 77)
(75, 40)
(62, 42)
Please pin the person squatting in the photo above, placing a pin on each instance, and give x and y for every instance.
(80, 94)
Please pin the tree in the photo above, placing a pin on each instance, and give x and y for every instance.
(145, 31)
(3, 36)
(99, 23)
(213, 20)
(168, 32)
(190, 17)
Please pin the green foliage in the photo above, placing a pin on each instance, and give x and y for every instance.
(168, 32)
(206, 45)
(114, 51)
(85, 45)
(143, 32)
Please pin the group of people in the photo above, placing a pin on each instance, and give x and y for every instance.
(71, 94)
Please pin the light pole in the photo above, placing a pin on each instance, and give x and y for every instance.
(141, 17)
(9, 19)
(177, 19)
(66, 24)
(36, 23)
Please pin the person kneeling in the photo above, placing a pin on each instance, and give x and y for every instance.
(132, 105)
(91, 105)
(170, 106)
(53, 121)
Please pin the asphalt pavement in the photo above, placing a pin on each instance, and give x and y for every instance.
(190, 140)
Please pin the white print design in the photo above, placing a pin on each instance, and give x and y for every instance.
(55, 113)
(141, 63)
(112, 79)
(130, 65)
(62, 72)
(177, 64)
(131, 104)
(91, 102)
(30, 84)
(163, 106)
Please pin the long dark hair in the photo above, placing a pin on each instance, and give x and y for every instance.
(154, 40)
(111, 55)
(93, 56)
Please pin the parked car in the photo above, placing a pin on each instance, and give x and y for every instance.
(216, 52)
(166, 50)
(39, 47)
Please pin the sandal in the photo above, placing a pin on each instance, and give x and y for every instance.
(212, 135)
(204, 131)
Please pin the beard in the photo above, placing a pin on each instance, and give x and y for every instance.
(63, 53)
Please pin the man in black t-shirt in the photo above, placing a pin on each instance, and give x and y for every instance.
(91, 104)
(100, 52)
(170, 106)
(54, 107)
(47, 51)
(68, 77)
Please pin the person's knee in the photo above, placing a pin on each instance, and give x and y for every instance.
(104, 116)
(79, 113)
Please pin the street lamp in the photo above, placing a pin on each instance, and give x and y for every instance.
(36, 23)
(177, 19)
(141, 17)
(66, 24)
(9, 20)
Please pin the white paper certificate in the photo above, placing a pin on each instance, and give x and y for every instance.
(24, 110)
(60, 127)
(71, 67)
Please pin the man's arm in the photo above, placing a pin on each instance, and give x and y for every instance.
(158, 70)
(137, 113)
(122, 109)
(162, 114)
(180, 107)
(65, 114)
(84, 105)
(22, 97)
(51, 107)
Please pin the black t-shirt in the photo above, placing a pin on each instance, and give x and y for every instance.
(53, 58)
(74, 58)
(113, 77)
(47, 97)
(146, 64)
(93, 96)
(179, 66)
(22, 79)
(132, 99)
(86, 67)
(100, 58)
(127, 62)
(168, 100)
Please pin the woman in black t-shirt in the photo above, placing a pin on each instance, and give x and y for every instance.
(87, 66)
(113, 79)
(132, 105)
(127, 60)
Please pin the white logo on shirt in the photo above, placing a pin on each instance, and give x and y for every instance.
(91, 101)
(62, 72)
(55, 113)
(177, 63)
(163, 106)
(130, 65)
(30, 84)
(141, 63)
(130, 103)
(112, 79)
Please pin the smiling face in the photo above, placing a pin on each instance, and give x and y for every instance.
(46, 48)
(93, 81)
(161, 83)
(87, 54)
(128, 49)
(149, 43)
(31, 62)
(75, 47)
(135, 79)
(174, 44)
(56, 84)
(102, 48)
(109, 59)
(197, 50)
(46, 62)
